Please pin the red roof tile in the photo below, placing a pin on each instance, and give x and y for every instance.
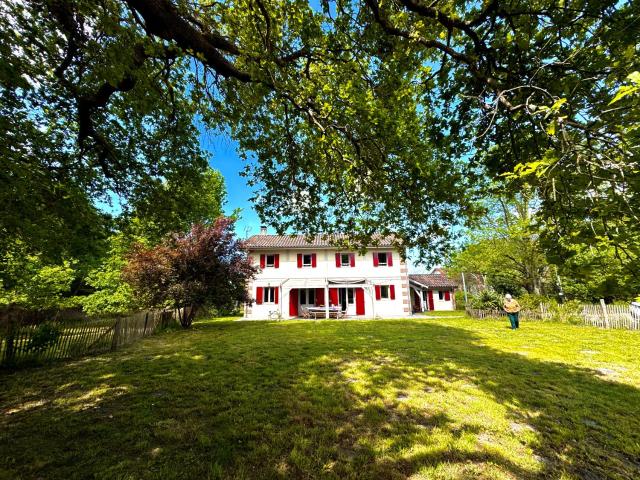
(300, 241)
(434, 280)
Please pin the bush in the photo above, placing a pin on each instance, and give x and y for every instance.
(486, 300)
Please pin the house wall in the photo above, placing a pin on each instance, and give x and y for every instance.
(442, 304)
(326, 268)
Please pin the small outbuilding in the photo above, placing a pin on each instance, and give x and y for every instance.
(432, 291)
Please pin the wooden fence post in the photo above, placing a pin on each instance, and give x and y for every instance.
(604, 312)
(116, 335)
(146, 319)
(9, 351)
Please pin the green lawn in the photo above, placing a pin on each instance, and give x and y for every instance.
(428, 398)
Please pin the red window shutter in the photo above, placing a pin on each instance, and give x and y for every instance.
(333, 296)
(377, 292)
(314, 263)
(359, 301)
(430, 299)
(259, 295)
(389, 259)
(276, 260)
(338, 260)
(319, 296)
(392, 292)
(275, 294)
(262, 260)
(447, 295)
(299, 260)
(375, 259)
(352, 259)
(293, 302)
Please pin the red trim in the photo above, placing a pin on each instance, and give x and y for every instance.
(299, 260)
(293, 302)
(359, 301)
(333, 296)
(338, 260)
(352, 259)
(375, 259)
(389, 259)
(275, 294)
(314, 262)
(259, 295)
(262, 260)
(377, 292)
(319, 296)
(392, 292)
(430, 299)
(447, 295)
(276, 261)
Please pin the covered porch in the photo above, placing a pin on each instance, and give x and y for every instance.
(327, 298)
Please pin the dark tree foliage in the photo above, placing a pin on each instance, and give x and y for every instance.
(206, 267)
(364, 116)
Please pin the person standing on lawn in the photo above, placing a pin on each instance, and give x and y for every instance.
(512, 307)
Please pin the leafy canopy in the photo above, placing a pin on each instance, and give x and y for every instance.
(362, 116)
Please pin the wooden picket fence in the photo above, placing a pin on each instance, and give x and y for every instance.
(599, 315)
(23, 342)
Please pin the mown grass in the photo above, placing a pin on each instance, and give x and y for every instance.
(427, 398)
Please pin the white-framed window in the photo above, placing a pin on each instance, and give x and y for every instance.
(382, 258)
(384, 292)
(270, 260)
(307, 296)
(270, 294)
(307, 260)
(440, 295)
(345, 260)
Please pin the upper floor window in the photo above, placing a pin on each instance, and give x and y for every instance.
(307, 260)
(271, 260)
(384, 259)
(345, 259)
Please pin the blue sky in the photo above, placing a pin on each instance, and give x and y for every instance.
(225, 158)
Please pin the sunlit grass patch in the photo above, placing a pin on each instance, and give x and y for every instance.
(443, 398)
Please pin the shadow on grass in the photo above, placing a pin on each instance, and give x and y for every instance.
(328, 399)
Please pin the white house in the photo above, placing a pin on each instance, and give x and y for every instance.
(432, 291)
(296, 274)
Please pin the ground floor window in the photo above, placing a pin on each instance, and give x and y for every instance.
(270, 294)
(307, 296)
(440, 295)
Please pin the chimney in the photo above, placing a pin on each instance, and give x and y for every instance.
(263, 230)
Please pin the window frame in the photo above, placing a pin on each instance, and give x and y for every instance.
(386, 259)
(269, 299)
(384, 288)
(440, 295)
(310, 264)
(342, 261)
(273, 260)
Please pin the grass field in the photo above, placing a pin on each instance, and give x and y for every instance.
(429, 398)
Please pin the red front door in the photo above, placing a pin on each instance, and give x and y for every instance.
(430, 299)
(293, 302)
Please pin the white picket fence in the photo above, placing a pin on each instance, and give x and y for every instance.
(604, 316)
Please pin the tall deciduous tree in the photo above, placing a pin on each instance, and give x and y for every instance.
(363, 115)
(205, 267)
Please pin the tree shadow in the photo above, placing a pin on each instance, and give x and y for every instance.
(329, 399)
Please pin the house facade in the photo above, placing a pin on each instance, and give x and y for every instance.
(432, 291)
(296, 274)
